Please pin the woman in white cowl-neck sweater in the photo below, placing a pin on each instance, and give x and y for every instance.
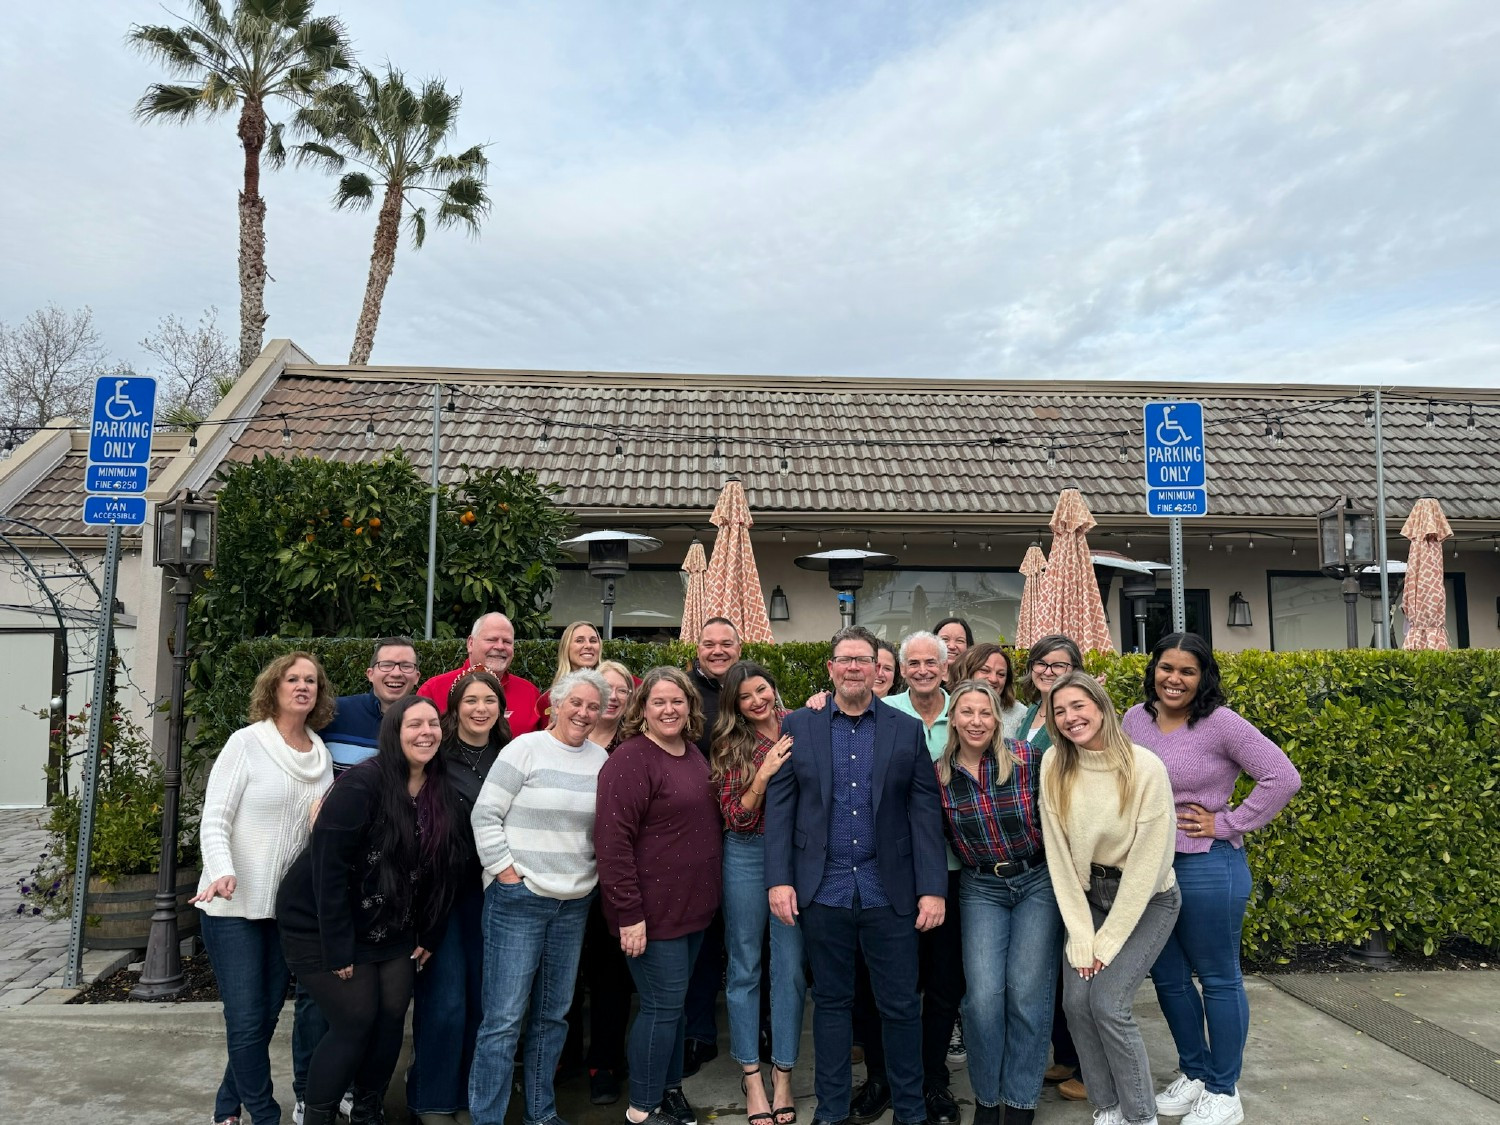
(256, 817)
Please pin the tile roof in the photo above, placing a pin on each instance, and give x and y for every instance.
(874, 465)
(55, 502)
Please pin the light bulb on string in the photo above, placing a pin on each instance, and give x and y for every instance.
(784, 467)
(955, 542)
(1127, 542)
(1470, 424)
(783, 537)
(1369, 412)
(1431, 420)
(619, 452)
(543, 440)
(1051, 460)
(867, 544)
(1251, 544)
(820, 542)
(193, 437)
(903, 542)
(286, 433)
(1294, 548)
(1210, 542)
(452, 406)
(716, 462)
(1124, 449)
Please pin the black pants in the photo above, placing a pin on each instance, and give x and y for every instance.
(701, 1009)
(604, 973)
(1063, 1051)
(940, 975)
(366, 1017)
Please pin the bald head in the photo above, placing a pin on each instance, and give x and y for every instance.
(492, 643)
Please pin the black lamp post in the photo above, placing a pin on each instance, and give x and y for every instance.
(1346, 543)
(609, 560)
(185, 537)
(846, 573)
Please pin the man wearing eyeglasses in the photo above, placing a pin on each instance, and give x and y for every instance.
(393, 674)
(855, 855)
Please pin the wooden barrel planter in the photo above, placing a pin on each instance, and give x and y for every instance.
(118, 911)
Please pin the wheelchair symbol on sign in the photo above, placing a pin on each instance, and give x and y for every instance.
(1168, 425)
(119, 407)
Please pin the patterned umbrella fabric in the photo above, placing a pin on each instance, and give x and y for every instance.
(733, 581)
(1425, 599)
(1070, 594)
(695, 566)
(1032, 566)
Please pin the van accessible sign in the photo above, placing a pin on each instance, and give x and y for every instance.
(119, 450)
(1176, 460)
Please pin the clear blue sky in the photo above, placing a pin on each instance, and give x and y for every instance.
(1115, 189)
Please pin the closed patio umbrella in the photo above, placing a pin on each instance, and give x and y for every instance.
(1032, 566)
(695, 566)
(733, 581)
(1070, 594)
(1425, 601)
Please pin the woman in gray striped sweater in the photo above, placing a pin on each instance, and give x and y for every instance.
(534, 833)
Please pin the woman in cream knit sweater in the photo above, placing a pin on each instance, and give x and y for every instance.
(1108, 821)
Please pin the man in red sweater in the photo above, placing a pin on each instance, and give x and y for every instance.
(492, 644)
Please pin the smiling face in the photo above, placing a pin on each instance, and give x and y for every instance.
(885, 672)
(666, 712)
(1047, 669)
(1078, 716)
(756, 700)
(1178, 675)
(953, 636)
(974, 718)
(923, 668)
(852, 670)
(297, 691)
(493, 644)
(421, 734)
(477, 711)
(994, 671)
(583, 647)
(573, 720)
(619, 695)
(718, 649)
(394, 673)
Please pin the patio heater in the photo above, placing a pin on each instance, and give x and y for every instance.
(1369, 587)
(846, 568)
(185, 542)
(1346, 544)
(609, 560)
(1137, 583)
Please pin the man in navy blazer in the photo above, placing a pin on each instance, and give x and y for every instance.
(854, 853)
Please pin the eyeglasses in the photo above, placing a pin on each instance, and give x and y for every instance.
(858, 661)
(393, 665)
(1056, 669)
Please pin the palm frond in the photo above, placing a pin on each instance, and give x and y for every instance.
(275, 150)
(463, 204)
(355, 192)
(211, 16)
(319, 156)
(167, 46)
(175, 103)
(416, 224)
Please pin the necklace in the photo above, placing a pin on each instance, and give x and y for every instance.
(469, 755)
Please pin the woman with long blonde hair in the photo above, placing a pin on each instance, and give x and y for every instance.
(1012, 932)
(1109, 825)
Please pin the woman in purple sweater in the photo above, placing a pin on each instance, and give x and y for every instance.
(1206, 746)
(659, 839)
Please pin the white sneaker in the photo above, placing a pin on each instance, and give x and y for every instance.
(1180, 1097)
(1110, 1116)
(1216, 1109)
(346, 1103)
(958, 1054)
(297, 1113)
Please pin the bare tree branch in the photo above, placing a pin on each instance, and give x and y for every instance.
(48, 364)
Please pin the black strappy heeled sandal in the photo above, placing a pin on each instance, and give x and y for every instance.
(755, 1118)
(786, 1114)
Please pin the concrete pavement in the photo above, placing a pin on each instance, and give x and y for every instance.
(139, 1064)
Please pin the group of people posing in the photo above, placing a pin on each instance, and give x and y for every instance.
(486, 854)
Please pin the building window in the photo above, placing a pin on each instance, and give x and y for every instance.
(1307, 611)
(648, 600)
(1159, 617)
(894, 603)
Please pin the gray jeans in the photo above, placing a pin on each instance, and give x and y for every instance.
(1116, 1070)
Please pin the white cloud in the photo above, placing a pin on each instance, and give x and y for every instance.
(1280, 191)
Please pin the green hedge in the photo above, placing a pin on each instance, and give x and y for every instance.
(1397, 826)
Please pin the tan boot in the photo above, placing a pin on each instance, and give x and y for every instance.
(1073, 1090)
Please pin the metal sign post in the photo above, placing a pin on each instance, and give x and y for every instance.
(118, 466)
(1176, 461)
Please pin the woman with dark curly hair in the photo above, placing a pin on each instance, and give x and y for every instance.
(255, 815)
(658, 835)
(367, 900)
(1206, 746)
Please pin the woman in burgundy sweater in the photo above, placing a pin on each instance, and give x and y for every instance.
(657, 835)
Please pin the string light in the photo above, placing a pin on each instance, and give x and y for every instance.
(192, 437)
(1294, 548)
(1051, 460)
(1431, 420)
(716, 462)
(784, 466)
(955, 542)
(903, 542)
(370, 429)
(1471, 424)
(820, 542)
(783, 537)
(867, 544)
(1210, 542)
(452, 407)
(1369, 412)
(286, 433)
(619, 452)
(543, 441)
(1251, 544)
(1124, 449)
(1127, 542)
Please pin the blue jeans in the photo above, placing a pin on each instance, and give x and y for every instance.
(889, 943)
(746, 914)
(1012, 934)
(654, 1050)
(252, 976)
(1215, 888)
(531, 947)
(446, 1010)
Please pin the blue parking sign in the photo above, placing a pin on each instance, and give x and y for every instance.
(121, 511)
(1176, 459)
(120, 429)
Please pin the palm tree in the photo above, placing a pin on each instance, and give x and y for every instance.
(393, 133)
(268, 49)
